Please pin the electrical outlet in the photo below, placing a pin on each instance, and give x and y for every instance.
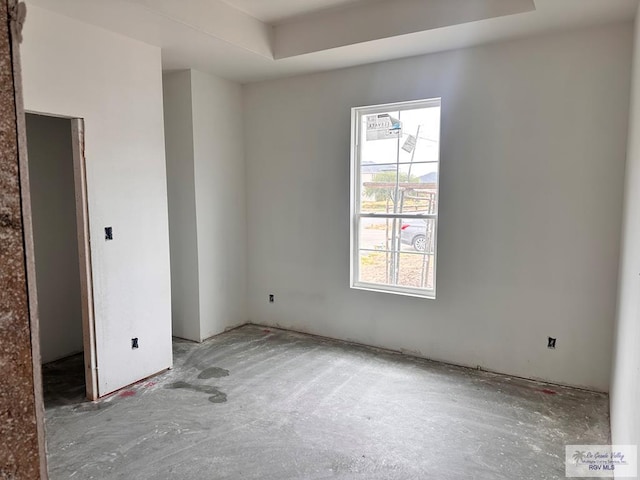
(551, 342)
(108, 233)
(134, 343)
(272, 298)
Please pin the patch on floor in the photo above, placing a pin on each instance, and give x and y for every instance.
(216, 395)
(213, 372)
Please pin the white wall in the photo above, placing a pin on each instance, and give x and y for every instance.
(115, 84)
(533, 153)
(178, 122)
(625, 386)
(206, 176)
(53, 208)
(221, 202)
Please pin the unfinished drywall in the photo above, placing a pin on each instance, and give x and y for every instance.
(115, 84)
(207, 206)
(532, 164)
(221, 202)
(55, 236)
(625, 386)
(178, 123)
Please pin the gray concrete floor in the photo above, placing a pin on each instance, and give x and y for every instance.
(258, 403)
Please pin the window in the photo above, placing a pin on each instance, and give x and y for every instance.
(394, 197)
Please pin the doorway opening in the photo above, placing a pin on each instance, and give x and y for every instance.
(57, 184)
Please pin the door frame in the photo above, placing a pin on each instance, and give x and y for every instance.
(84, 259)
(84, 252)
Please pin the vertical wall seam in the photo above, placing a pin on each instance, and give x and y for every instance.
(195, 203)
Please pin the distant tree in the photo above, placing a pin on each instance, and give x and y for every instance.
(388, 192)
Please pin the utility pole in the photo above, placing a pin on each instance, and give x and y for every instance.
(400, 197)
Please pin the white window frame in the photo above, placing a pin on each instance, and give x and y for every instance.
(356, 115)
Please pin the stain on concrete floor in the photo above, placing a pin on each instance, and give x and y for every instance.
(213, 372)
(291, 406)
(216, 395)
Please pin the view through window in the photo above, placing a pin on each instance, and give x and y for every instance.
(395, 167)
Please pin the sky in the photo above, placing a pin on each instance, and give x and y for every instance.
(389, 151)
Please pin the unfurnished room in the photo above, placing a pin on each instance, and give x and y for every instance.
(319, 239)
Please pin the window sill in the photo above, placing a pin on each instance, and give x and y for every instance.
(407, 292)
